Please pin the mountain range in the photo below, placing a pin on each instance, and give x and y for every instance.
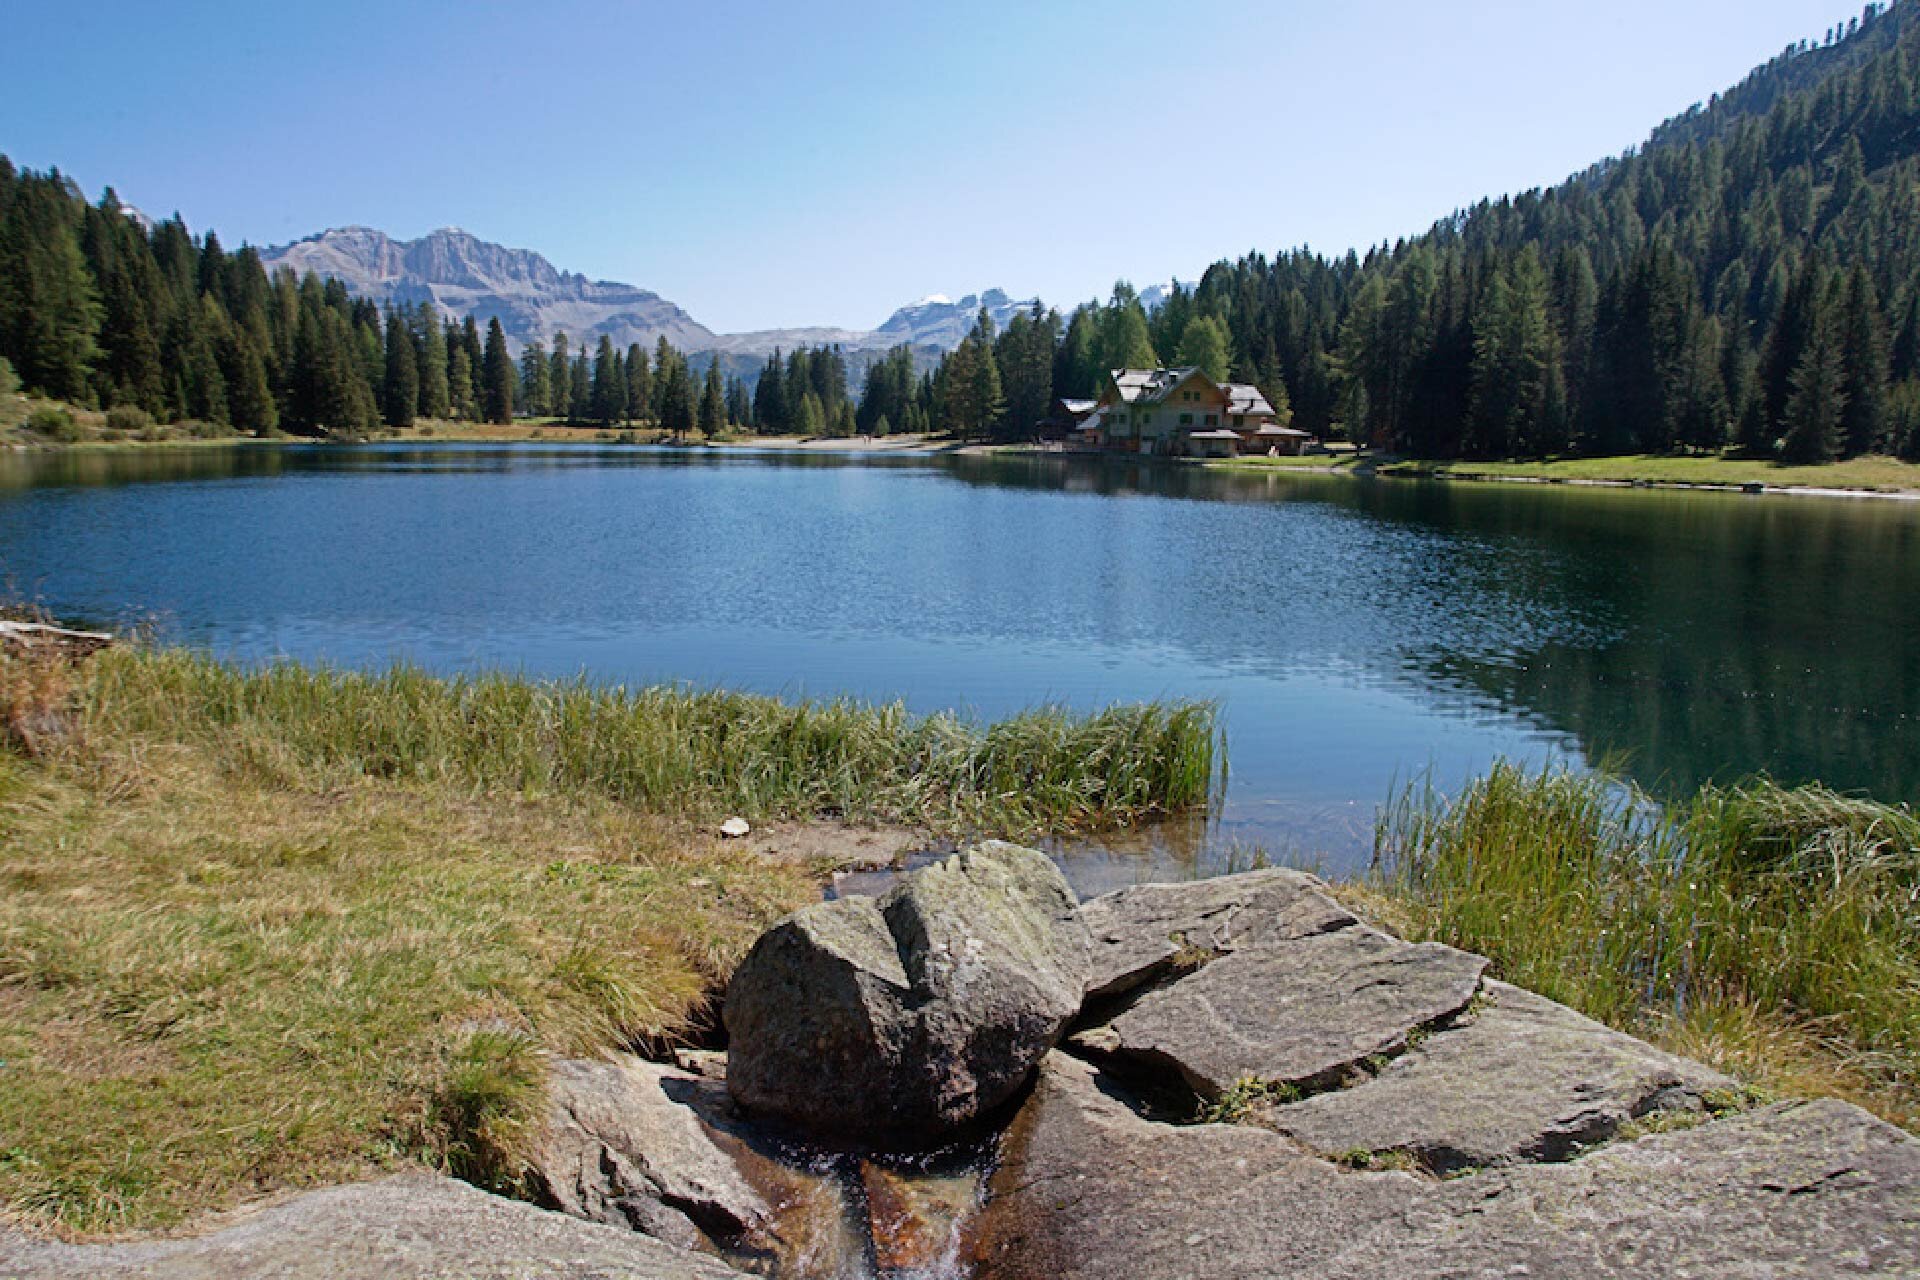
(463, 275)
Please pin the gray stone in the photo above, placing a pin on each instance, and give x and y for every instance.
(1086, 1187)
(896, 1020)
(1139, 933)
(1524, 1079)
(623, 1145)
(412, 1227)
(1301, 1010)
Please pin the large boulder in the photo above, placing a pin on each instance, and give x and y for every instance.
(1087, 1187)
(895, 1021)
(411, 1227)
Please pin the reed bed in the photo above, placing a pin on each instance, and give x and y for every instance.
(1773, 931)
(668, 749)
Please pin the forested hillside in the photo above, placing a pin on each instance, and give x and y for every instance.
(1749, 279)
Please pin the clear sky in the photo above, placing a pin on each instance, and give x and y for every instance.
(769, 165)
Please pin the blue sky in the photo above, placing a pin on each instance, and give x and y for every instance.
(768, 165)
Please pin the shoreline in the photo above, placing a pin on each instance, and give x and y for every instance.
(1397, 469)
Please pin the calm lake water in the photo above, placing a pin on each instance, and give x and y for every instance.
(1356, 633)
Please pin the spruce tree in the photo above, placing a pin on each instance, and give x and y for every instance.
(639, 383)
(713, 402)
(609, 393)
(535, 380)
(436, 394)
(400, 394)
(496, 376)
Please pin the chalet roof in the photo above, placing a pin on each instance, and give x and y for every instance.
(1243, 397)
(1150, 386)
(1079, 408)
(1219, 433)
(1271, 429)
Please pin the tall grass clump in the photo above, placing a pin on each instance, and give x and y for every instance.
(673, 749)
(1775, 930)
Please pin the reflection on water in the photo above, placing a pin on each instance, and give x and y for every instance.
(1355, 633)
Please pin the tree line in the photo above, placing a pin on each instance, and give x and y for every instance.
(1748, 279)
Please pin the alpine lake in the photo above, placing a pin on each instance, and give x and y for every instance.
(1358, 635)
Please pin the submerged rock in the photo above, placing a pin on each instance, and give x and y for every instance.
(1293, 1009)
(1524, 1080)
(896, 1020)
(412, 1227)
(1087, 1187)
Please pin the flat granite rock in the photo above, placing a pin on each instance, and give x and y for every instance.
(1296, 1010)
(1088, 1188)
(411, 1227)
(1523, 1080)
(623, 1145)
(1139, 932)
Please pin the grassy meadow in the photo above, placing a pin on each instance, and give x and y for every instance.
(1771, 932)
(1870, 474)
(282, 926)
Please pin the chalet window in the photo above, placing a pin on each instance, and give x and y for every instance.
(1186, 419)
(1239, 419)
(1213, 419)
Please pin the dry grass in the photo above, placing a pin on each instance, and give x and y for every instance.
(271, 928)
(217, 981)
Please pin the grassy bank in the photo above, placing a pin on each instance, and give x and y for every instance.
(1871, 474)
(272, 928)
(1774, 933)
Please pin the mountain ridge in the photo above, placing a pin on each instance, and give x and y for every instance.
(463, 275)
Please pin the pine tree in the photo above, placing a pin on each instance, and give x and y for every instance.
(436, 383)
(560, 379)
(580, 389)
(639, 383)
(1813, 423)
(460, 380)
(609, 394)
(536, 380)
(496, 376)
(49, 311)
(400, 392)
(770, 397)
(713, 403)
(1865, 425)
(676, 401)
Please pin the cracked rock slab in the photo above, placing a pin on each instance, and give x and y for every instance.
(411, 1227)
(623, 1146)
(1088, 1188)
(1139, 933)
(1299, 1011)
(1524, 1079)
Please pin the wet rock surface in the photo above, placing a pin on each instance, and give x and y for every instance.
(1521, 1080)
(412, 1227)
(1298, 1010)
(897, 1020)
(1088, 1187)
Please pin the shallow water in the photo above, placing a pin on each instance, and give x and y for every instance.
(1356, 633)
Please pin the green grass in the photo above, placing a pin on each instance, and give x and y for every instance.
(1875, 474)
(1773, 932)
(697, 753)
(276, 927)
